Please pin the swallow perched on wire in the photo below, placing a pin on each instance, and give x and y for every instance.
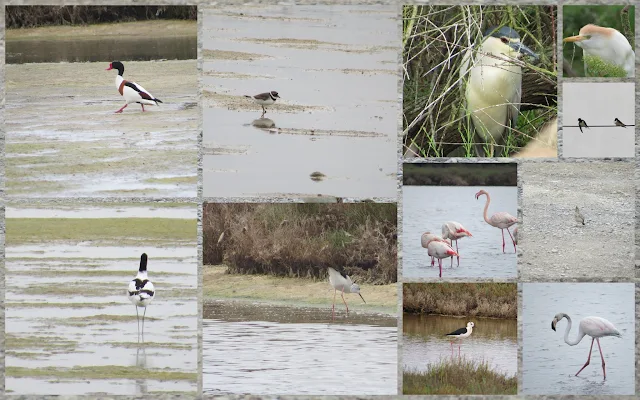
(582, 124)
(619, 123)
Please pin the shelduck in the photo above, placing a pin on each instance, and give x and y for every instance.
(131, 91)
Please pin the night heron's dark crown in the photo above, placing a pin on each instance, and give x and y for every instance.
(504, 31)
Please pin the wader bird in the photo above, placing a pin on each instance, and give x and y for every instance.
(608, 44)
(493, 86)
(595, 327)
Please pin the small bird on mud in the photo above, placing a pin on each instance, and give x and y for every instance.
(579, 217)
(141, 291)
(582, 124)
(342, 282)
(131, 91)
(265, 99)
(619, 123)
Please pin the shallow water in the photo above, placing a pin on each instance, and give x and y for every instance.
(52, 325)
(299, 348)
(549, 364)
(426, 208)
(346, 128)
(139, 49)
(493, 341)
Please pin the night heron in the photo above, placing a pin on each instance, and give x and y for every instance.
(608, 44)
(494, 86)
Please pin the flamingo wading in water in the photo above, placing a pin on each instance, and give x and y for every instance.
(454, 230)
(426, 238)
(595, 327)
(502, 220)
(440, 250)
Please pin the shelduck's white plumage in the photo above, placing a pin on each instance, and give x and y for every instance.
(131, 91)
(141, 291)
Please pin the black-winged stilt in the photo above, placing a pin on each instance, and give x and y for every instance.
(141, 291)
(342, 282)
(460, 334)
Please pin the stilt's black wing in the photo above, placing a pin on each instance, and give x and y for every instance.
(458, 332)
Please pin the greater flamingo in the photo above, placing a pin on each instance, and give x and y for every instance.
(454, 230)
(428, 237)
(502, 220)
(440, 250)
(595, 327)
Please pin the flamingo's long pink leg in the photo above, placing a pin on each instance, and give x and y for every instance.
(345, 303)
(588, 359)
(602, 357)
(457, 251)
(502, 239)
(514, 242)
(432, 261)
(440, 265)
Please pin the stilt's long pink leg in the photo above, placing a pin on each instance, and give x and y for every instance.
(514, 242)
(602, 357)
(502, 240)
(333, 308)
(458, 349)
(588, 359)
(345, 303)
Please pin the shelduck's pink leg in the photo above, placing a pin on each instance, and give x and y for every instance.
(588, 359)
(601, 357)
(514, 242)
(502, 240)
(123, 107)
(142, 107)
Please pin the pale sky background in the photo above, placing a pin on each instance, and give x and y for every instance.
(598, 104)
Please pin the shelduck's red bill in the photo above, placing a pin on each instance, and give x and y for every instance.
(110, 67)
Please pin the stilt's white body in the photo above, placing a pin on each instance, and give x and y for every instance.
(131, 96)
(343, 283)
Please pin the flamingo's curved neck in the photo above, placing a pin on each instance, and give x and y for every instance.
(566, 333)
(486, 207)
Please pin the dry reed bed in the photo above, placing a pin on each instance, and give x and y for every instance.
(302, 240)
(490, 300)
(35, 16)
(460, 174)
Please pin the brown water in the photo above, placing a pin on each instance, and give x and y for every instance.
(267, 350)
(105, 50)
(493, 341)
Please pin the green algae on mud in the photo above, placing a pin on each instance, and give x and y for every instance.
(164, 345)
(102, 372)
(103, 231)
(43, 343)
(295, 292)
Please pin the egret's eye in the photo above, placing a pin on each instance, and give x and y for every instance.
(504, 40)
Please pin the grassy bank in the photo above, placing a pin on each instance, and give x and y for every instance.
(302, 240)
(103, 231)
(217, 284)
(35, 16)
(458, 377)
(460, 174)
(123, 30)
(490, 300)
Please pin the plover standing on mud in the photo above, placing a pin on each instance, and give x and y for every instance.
(265, 99)
(141, 291)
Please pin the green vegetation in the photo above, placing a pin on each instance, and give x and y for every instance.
(102, 372)
(302, 240)
(458, 377)
(35, 16)
(491, 300)
(435, 38)
(574, 17)
(101, 231)
(460, 174)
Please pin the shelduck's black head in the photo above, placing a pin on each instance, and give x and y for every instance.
(143, 262)
(116, 65)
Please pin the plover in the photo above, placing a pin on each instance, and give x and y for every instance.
(265, 99)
